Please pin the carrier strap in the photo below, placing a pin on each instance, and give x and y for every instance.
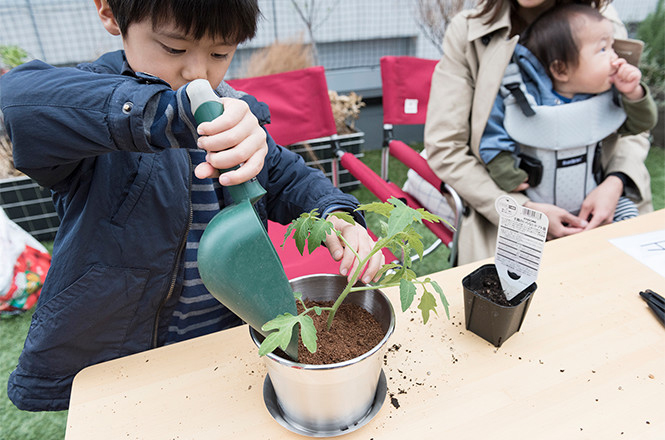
(520, 98)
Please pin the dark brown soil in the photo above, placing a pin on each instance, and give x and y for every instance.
(353, 333)
(489, 286)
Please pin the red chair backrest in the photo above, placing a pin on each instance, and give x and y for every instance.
(406, 85)
(298, 100)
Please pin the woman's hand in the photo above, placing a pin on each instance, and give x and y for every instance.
(561, 222)
(232, 139)
(361, 242)
(600, 204)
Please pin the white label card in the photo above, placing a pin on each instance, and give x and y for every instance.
(410, 106)
(519, 246)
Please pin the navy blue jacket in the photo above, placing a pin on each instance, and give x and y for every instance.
(109, 144)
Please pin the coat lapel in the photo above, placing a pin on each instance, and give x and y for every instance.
(493, 57)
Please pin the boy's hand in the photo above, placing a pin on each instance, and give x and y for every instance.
(361, 242)
(232, 139)
(626, 79)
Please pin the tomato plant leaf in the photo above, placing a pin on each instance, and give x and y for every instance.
(444, 300)
(401, 217)
(269, 344)
(308, 333)
(383, 209)
(317, 234)
(407, 290)
(300, 236)
(427, 305)
(385, 268)
(282, 327)
(344, 216)
(289, 229)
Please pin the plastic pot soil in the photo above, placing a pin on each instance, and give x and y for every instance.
(331, 399)
(491, 321)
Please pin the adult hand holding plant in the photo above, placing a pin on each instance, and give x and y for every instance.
(397, 234)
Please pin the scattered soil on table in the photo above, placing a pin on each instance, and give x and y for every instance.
(488, 286)
(354, 332)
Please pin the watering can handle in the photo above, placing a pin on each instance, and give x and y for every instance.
(206, 106)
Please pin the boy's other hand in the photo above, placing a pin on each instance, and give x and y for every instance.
(362, 243)
(626, 79)
(234, 138)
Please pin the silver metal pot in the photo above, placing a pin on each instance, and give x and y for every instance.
(330, 398)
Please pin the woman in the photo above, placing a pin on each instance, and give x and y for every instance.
(477, 47)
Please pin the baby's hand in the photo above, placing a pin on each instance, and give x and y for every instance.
(626, 79)
(522, 186)
(361, 242)
(232, 139)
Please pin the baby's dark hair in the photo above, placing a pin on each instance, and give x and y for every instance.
(233, 21)
(552, 37)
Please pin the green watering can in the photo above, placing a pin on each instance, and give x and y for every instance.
(237, 261)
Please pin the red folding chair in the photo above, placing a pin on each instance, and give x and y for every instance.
(405, 82)
(299, 111)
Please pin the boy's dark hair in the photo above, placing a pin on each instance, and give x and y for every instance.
(233, 21)
(552, 37)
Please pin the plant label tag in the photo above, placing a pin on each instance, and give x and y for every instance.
(410, 106)
(519, 245)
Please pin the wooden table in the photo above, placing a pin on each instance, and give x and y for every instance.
(588, 363)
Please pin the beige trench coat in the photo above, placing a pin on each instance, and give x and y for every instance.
(464, 86)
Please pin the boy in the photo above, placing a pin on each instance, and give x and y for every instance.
(566, 57)
(133, 182)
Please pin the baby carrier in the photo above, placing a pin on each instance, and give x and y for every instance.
(559, 146)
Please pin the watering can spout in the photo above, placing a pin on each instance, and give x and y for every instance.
(236, 259)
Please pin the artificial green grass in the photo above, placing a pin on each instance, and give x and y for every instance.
(21, 425)
(16, 424)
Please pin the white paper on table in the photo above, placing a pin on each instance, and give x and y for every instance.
(647, 248)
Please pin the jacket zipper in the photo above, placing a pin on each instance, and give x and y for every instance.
(174, 275)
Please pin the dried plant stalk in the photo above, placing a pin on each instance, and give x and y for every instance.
(278, 58)
(346, 110)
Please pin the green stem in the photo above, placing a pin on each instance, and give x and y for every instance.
(378, 286)
(306, 310)
(352, 281)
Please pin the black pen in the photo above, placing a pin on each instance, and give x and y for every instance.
(656, 303)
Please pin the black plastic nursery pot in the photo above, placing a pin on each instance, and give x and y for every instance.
(493, 322)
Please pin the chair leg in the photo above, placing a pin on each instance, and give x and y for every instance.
(385, 157)
(334, 165)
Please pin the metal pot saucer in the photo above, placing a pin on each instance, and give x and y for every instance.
(276, 412)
